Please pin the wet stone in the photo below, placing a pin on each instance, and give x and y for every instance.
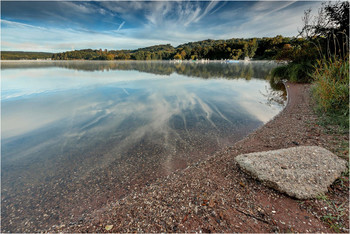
(302, 172)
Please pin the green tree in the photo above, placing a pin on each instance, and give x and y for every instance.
(110, 56)
(183, 54)
(177, 56)
(236, 53)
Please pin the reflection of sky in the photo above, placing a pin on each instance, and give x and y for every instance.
(68, 135)
(34, 98)
(22, 82)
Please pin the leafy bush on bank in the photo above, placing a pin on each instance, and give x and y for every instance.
(298, 72)
(331, 89)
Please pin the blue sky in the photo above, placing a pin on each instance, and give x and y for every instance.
(56, 26)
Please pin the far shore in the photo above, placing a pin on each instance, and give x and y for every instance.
(130, 60)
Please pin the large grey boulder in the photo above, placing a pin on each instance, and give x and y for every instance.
(302, 172)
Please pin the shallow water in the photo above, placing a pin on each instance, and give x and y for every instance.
(76, 135)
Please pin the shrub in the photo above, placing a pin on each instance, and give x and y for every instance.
(331, 87)
(294, 71)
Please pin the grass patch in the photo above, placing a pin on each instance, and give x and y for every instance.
(333, 123)
(322, 197)
(298, 72)
(331, 91)
(334, 214)
(334, 218)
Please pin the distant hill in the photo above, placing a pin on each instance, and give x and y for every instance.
(18, 55)
(157, 48)
(204, 43)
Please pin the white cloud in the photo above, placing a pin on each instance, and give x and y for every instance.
(277, 21)
(121, 25)
(263, 9)
(210, 7)
(31, 38)
(139, 24)
(79, 8)
(17, 24)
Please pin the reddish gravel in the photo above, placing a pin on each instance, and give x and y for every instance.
(216, 196)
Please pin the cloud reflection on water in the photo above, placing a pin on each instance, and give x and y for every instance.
(19, 83)
(79, 127)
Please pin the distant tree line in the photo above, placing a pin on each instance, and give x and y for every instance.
(18, 55)
(260, 48)
(236, 49)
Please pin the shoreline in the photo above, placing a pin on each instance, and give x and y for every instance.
(288, 98)
(216, 196)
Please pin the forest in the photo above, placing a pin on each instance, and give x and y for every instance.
(260, 48)
(257, 48)
(17, 55)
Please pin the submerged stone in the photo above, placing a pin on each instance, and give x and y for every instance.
(302, 172)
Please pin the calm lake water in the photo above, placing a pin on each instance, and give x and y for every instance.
(76, 135)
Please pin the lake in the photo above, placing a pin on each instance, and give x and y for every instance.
(79, 134)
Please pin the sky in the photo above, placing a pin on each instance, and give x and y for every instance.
(57, 26)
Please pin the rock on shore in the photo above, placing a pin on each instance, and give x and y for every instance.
(302, 172)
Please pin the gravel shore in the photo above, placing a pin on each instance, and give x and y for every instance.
(215, 195)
